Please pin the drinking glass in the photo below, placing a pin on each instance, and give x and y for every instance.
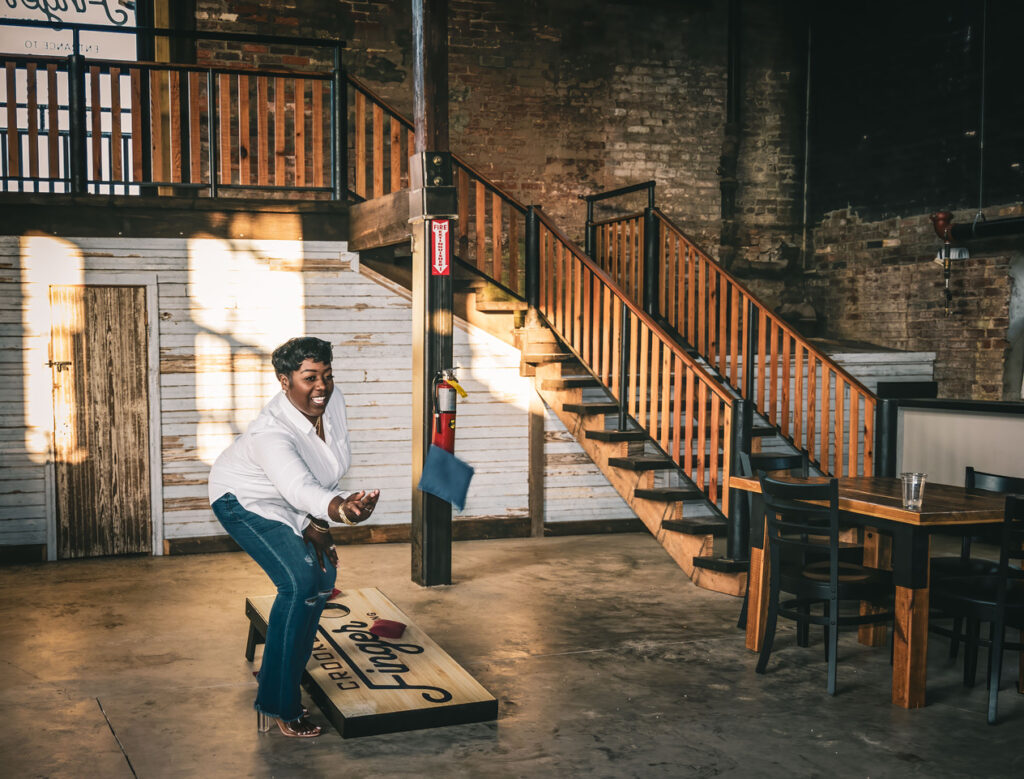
(913, 490)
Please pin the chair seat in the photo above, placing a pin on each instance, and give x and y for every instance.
(976, 596)
(949, 567)
(856, 582)
(848, 572)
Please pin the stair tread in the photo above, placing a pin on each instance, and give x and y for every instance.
(668, 494)
(721, 564)
(585, 409)
(615, 436)
(545, 357)
(501, 305)
(641, 462)
(698, 526)
(569, 382)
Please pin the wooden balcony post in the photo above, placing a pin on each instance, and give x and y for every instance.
(76, 122)
(212, 128)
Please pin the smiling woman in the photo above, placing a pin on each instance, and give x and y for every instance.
(275, 491)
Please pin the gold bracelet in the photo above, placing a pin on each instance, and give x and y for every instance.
(320, 528)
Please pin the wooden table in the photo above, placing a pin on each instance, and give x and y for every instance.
(877, 502)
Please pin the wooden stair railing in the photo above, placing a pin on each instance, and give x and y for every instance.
(490, 231)
(813, 402)
(675, 401)
(686, 411)
(673, 398)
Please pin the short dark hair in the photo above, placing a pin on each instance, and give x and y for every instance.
(289, 356)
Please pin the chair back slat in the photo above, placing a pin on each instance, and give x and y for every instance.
(992, 482)
(791, 519)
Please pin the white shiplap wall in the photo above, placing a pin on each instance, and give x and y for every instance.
(223, 306)
(574, 488)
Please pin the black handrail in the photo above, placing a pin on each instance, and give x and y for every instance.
(588, 235)
(648, 185)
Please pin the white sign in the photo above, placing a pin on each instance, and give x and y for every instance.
(440, 265)
(35, 41)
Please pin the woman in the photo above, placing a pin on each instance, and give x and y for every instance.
(275, 492)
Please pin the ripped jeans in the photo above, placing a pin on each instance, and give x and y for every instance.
(302, 591)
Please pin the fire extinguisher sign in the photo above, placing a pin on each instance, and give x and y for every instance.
(440, 248)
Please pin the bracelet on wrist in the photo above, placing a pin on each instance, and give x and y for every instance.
(320, 527)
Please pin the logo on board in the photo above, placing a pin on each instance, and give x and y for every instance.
(353, 658)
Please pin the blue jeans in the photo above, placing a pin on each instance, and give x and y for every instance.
(302, 591)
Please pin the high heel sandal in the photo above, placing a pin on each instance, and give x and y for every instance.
(265, 722)
(305, 711)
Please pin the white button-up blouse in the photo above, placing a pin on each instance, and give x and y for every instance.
(280, 469)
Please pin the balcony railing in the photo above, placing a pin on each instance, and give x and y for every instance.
(77, 125)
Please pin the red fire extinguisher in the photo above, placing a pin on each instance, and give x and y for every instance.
(445, 387)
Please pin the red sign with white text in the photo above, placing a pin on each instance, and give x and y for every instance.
(440, 249)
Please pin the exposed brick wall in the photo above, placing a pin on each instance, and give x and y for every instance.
(894, 138)
(770, 165)
(553, 100)
(878, 282)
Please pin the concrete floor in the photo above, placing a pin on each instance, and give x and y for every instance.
(606, 660)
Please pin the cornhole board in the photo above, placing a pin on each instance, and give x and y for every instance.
(367, 685)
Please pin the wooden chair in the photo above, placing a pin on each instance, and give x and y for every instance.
(965, 565)
(998, 600)
(758, 464)
(791, 524)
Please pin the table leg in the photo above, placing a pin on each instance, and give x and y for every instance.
(877, 554)
(757, 596)
(910, 648)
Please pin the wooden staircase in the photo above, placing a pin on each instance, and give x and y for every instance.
(644, 329)
(674, 510)
(629, 460)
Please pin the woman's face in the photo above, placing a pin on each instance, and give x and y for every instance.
(310, 387)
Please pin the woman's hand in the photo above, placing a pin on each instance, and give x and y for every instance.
(360, 505)
(323, 546)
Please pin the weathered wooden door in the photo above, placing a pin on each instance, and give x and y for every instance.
(98, 355)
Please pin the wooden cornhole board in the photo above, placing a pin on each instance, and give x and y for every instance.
(367, 685)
